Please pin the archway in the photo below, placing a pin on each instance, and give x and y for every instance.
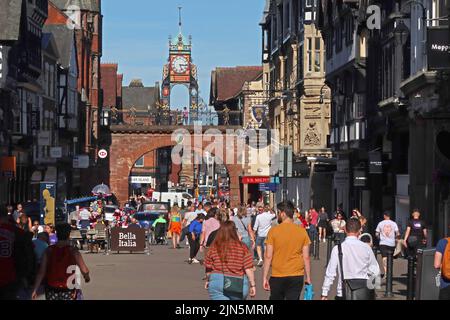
(203, 175)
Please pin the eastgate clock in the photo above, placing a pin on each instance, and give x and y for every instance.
(180, 64)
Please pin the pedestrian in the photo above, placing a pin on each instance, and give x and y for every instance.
(50, 229)
(229, 261)
(387, 232)
(356, 214)
(341, 211)
(338, 225)
(442, 263)
(189, 216)
(262, 226)
(243, 224)
(416, 234)
(25, 223)
(185, 116)
(16, 257)
(134, 223)
(211, 224)
(56, 268)
(287, 253)
(36, 229)
(75, 215)
(200, 209)
(357, 267)
(313, 219)
(322, 224)
(18, 212)
(195, 231)
(84, 219)
(175, 226)
(364, 226)
(224, 215)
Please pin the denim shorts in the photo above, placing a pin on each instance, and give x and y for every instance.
(215, 288)
(260, 241)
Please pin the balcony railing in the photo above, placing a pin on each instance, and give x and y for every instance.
(173, 117)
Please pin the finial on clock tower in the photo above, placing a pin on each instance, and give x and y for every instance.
(179, 18)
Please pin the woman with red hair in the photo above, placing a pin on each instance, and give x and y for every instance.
(229, 266)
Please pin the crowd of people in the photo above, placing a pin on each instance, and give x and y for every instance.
(235, 242)
(30, 253)
(230, 243)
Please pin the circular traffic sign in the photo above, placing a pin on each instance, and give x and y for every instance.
(103, 154)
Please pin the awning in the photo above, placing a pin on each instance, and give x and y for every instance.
(36, 177)
(51, 174)
(75, 201)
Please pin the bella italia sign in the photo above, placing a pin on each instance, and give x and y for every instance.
(129, 239)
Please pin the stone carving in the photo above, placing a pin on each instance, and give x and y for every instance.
(312, 137)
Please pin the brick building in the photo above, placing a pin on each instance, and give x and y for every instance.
(87, 24)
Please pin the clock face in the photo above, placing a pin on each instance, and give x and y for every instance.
(180, 64)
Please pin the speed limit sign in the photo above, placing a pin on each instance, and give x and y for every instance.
(103, 154)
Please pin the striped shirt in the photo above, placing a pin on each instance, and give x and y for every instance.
(238, 259)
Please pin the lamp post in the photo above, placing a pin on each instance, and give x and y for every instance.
(289, 115)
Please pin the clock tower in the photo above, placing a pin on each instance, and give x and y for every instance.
(180, 70)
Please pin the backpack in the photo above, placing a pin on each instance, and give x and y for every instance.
(445, 270)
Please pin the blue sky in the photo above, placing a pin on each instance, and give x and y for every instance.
(225, 33)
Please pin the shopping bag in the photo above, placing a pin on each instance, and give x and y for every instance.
(309, 292)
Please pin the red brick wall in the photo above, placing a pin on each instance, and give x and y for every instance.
(126, 148)
(176, 168)
(109, 84)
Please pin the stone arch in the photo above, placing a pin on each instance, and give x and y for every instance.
(127, 148)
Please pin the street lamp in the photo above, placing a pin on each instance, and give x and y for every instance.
(424, 10)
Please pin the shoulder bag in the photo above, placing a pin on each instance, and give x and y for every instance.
(353, 289)
(233, 286)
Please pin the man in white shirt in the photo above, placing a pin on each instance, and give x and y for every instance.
(358, 263)
(387, 231)
(189, 216)
(262, 226)
(200, 209)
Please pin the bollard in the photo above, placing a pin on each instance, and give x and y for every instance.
(389, 275)
(411, 276)
(314, 246)
(329, 248)
(317, 256)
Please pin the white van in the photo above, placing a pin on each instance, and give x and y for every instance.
(180, 198)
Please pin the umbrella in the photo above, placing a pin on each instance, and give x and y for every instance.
(101, 189)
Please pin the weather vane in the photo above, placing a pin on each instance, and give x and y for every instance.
(179, 17)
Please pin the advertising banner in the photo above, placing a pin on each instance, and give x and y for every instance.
(438, 46)
(47, 202)
(128, 239)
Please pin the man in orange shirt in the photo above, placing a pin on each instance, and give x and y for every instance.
(287, 252)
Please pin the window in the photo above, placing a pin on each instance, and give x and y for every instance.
(139, 163)
(309, 54)
(338, 36)
(349, 28)
(300, 63)
(286, 19)
(317, 55)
